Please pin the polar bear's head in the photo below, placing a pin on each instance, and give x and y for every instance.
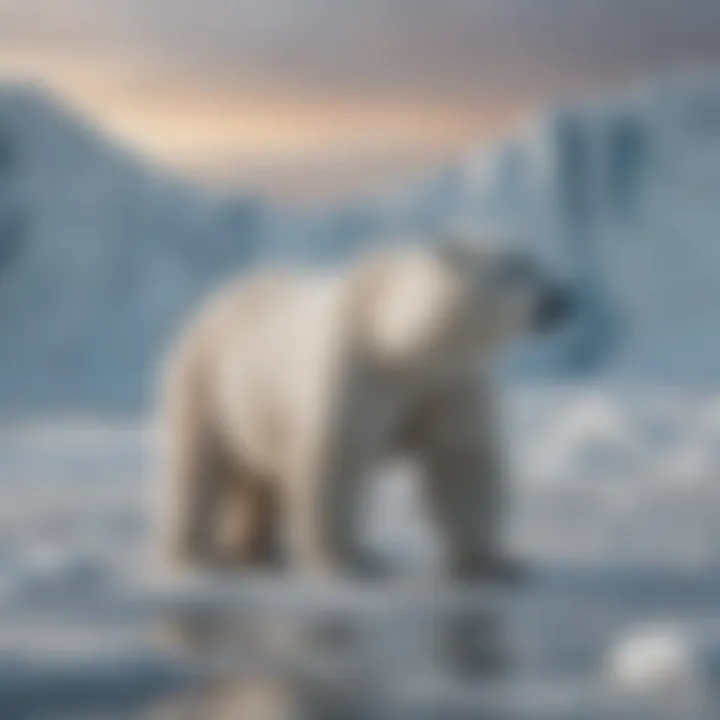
(501, 293)
(455, 302)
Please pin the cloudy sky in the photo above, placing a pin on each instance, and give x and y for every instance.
(311, 98)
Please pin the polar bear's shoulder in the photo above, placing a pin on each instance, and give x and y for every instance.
(266, 300)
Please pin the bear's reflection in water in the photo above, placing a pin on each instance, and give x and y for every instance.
(376, 666)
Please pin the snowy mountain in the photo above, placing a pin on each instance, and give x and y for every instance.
(624, 196)
(100, 254)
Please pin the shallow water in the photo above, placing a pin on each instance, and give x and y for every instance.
(616, 507)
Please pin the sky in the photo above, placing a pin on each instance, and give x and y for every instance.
(312, 99)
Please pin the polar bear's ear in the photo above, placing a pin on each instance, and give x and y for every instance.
(403, 306)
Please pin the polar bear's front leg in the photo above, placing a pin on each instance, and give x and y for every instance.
(328, 491)
(467, 483)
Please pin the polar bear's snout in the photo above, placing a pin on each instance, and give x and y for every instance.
(532, 299)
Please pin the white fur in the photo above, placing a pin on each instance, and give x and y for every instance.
(296, 387)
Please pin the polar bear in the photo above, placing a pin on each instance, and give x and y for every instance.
(287, 388)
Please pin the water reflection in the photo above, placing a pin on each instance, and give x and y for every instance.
(387, 662)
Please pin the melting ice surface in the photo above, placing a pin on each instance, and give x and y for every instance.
(616, 503)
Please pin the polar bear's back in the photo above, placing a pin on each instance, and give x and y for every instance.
(261, 349)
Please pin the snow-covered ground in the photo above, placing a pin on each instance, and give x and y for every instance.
(616, 502)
